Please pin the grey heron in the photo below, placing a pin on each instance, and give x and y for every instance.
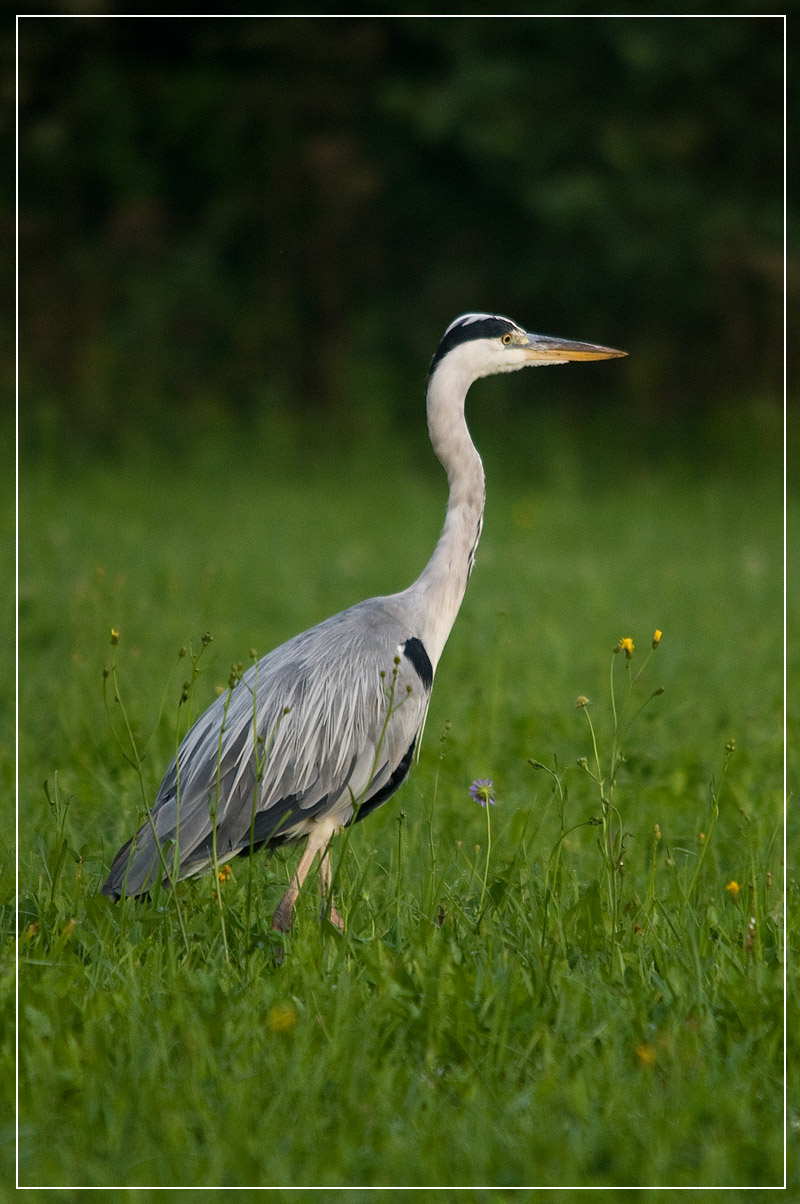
(323, 729)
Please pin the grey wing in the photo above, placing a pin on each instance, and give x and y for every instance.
(323, 726)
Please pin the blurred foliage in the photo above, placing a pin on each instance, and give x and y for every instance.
(220, 216)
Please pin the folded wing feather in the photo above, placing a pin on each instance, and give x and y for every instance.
(318, 727)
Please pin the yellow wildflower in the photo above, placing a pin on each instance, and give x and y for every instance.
(626, 645)
(733, 889)
(646, 1054)
(657, 638)
(225, 873)
(114, 636)
(282, 1018)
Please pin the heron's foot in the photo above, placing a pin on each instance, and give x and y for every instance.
(334, 917)
(284, 914)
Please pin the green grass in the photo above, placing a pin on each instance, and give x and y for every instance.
(532, 1043)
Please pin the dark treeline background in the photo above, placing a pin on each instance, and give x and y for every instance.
(221, 217)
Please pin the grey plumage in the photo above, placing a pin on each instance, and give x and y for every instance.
(322, 730)
(320, 718)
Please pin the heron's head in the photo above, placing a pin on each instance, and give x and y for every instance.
(483, 344)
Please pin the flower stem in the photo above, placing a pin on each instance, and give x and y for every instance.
(488, 856)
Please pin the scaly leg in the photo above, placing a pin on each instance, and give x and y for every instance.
(325, 876)
(282, 919)
(318, 842)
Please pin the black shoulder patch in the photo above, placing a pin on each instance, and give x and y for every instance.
(414, 649)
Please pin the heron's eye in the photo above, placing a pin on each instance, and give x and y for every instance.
(506, 339)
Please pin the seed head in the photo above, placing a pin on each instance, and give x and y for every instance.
(750, 936)
(581, 701)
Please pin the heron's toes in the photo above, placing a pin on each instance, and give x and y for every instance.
(282, 919)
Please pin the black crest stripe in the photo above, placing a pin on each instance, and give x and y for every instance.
(469, 327)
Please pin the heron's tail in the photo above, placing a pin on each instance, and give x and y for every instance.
(136, 867)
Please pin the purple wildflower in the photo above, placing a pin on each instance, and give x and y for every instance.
(482, 791)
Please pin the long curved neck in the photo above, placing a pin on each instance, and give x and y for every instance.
(442, 583)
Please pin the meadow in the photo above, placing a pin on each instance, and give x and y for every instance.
(578, 984)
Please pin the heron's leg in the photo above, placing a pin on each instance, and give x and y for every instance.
(327, 894)
(282, 919)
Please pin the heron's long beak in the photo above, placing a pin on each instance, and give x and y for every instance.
(544, 349)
